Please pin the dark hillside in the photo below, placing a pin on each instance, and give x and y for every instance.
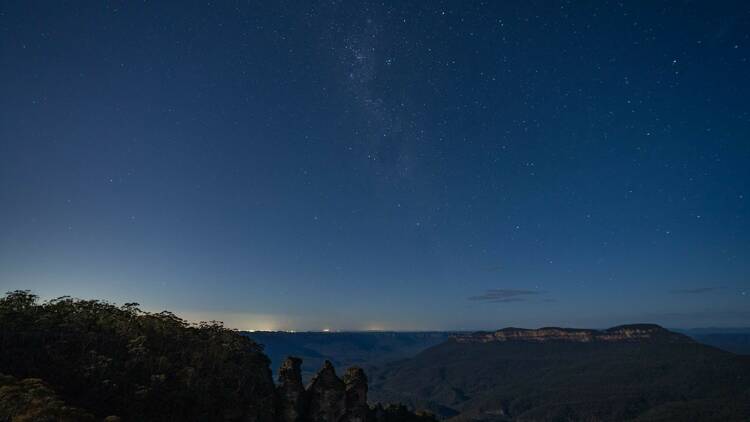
(481, 379)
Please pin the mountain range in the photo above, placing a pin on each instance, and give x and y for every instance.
(86, 360)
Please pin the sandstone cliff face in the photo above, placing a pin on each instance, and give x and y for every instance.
(329, 398)
(623, 333)
(357, 409)
(290, 391)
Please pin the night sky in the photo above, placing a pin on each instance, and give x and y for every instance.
(404, 165)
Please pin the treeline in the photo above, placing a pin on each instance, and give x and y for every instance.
(141, 366)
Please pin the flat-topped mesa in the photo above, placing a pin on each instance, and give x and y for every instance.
(623, 333)
(652, 332)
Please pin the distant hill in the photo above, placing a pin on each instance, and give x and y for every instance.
(732, 342)
(366, 349)
(735, 340)
(639, 372)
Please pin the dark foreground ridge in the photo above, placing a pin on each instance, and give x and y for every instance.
(83, 360)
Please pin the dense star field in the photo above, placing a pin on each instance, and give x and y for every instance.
(337, 165)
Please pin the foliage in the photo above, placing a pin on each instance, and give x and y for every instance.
(139, 365)
(30, 400)
(400, 413)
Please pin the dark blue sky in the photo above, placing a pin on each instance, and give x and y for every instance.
(345, 165)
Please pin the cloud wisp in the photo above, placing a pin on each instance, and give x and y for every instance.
(505, 295)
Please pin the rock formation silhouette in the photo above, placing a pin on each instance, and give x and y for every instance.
(329, 398)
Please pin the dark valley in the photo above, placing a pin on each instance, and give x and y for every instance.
(365, 349)
(633, 372)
